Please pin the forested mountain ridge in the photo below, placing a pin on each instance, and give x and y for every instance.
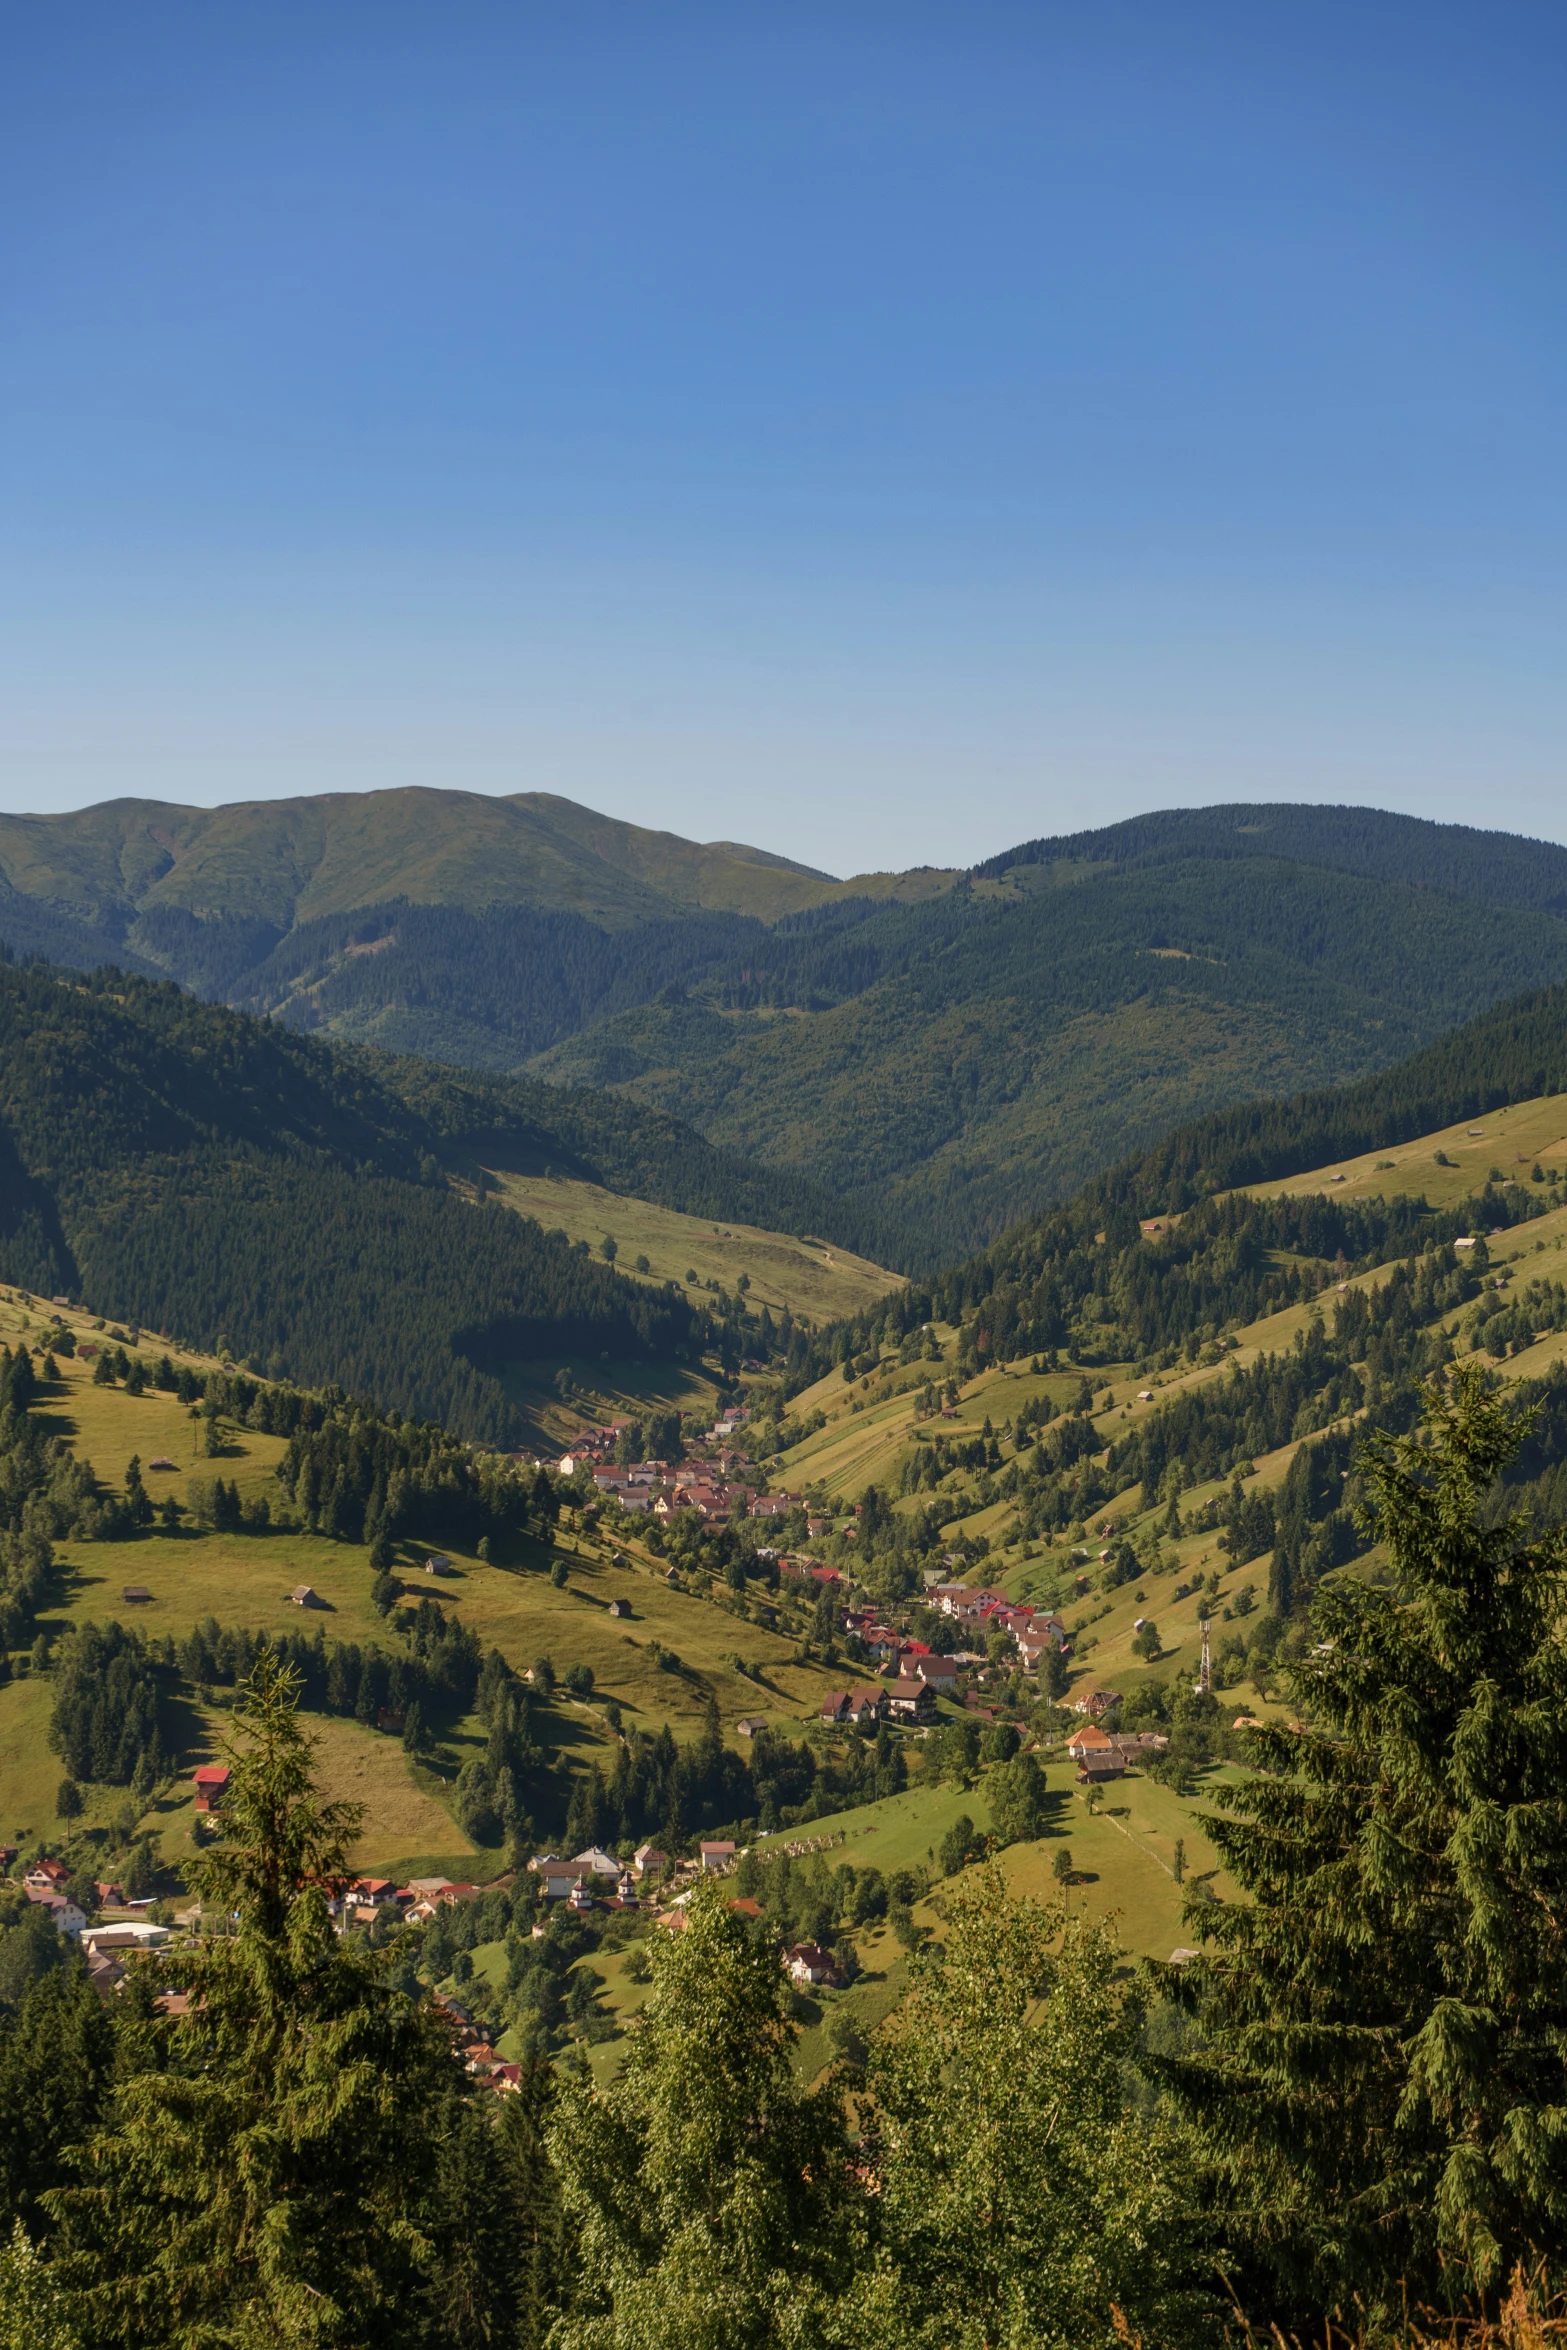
(208, 1173)
(278, 864)
(1513, 1053)
(1008, 1045)
(1500, 869)
(949, 1053)
(1082, 1272)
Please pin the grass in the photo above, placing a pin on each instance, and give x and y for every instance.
(244, 1580)
(873, 1420)
(900, 1831)
(29, 1773)
(404, 1819)
(1512, 1139)
(817, 1283)
(1123, 1855)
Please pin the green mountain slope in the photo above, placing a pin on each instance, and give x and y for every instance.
(1018, 1043)
(211, 1175)
(283, 862)
(1498, 868)
(941, 1053)
(1104, 1274)
(1516, 1052)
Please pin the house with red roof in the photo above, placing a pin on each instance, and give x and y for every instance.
(808, 1962)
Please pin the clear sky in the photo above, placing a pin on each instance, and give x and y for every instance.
(880, 432)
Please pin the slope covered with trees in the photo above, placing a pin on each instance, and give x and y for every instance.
(209, 1174)
(995, 1047)
(948, 1051)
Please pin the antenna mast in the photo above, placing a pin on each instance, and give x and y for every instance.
(1204, 1681)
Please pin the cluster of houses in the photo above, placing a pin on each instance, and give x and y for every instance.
(1033, 1631)
(714, 1480)
(363, 1899)
(908, 1694)
(597, 1880)
(103, 1946)
(1105, 1754)
(659, 1488)
(913, 1675)
(476, 2049)
(44, 1884)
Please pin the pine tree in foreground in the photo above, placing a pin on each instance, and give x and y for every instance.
(268, 2177)
(1385, 2088)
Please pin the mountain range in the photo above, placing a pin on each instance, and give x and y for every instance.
(939, 1052)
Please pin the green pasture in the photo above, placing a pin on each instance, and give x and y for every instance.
(1513, 1140)
(815, 1281)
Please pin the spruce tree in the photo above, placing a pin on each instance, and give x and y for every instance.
(268, 2176)
(498, 2209)
(57, 2060)
(1386, 2013)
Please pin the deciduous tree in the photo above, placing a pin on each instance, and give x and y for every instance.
(711, 2194)
(1019, 2205)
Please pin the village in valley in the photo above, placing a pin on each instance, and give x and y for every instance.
(891, 1674)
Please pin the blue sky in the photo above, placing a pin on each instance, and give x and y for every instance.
(881, 432)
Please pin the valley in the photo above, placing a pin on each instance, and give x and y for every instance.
(593, 1452)
(862, 1435)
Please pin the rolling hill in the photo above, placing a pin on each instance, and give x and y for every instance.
(939, 1053)
(1014, 1040)
(212, 1175)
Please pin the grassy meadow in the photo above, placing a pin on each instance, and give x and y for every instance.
(246, 1579)
(1513, 1140)
(816, 1282)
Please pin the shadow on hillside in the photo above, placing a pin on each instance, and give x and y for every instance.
(188, 1737)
